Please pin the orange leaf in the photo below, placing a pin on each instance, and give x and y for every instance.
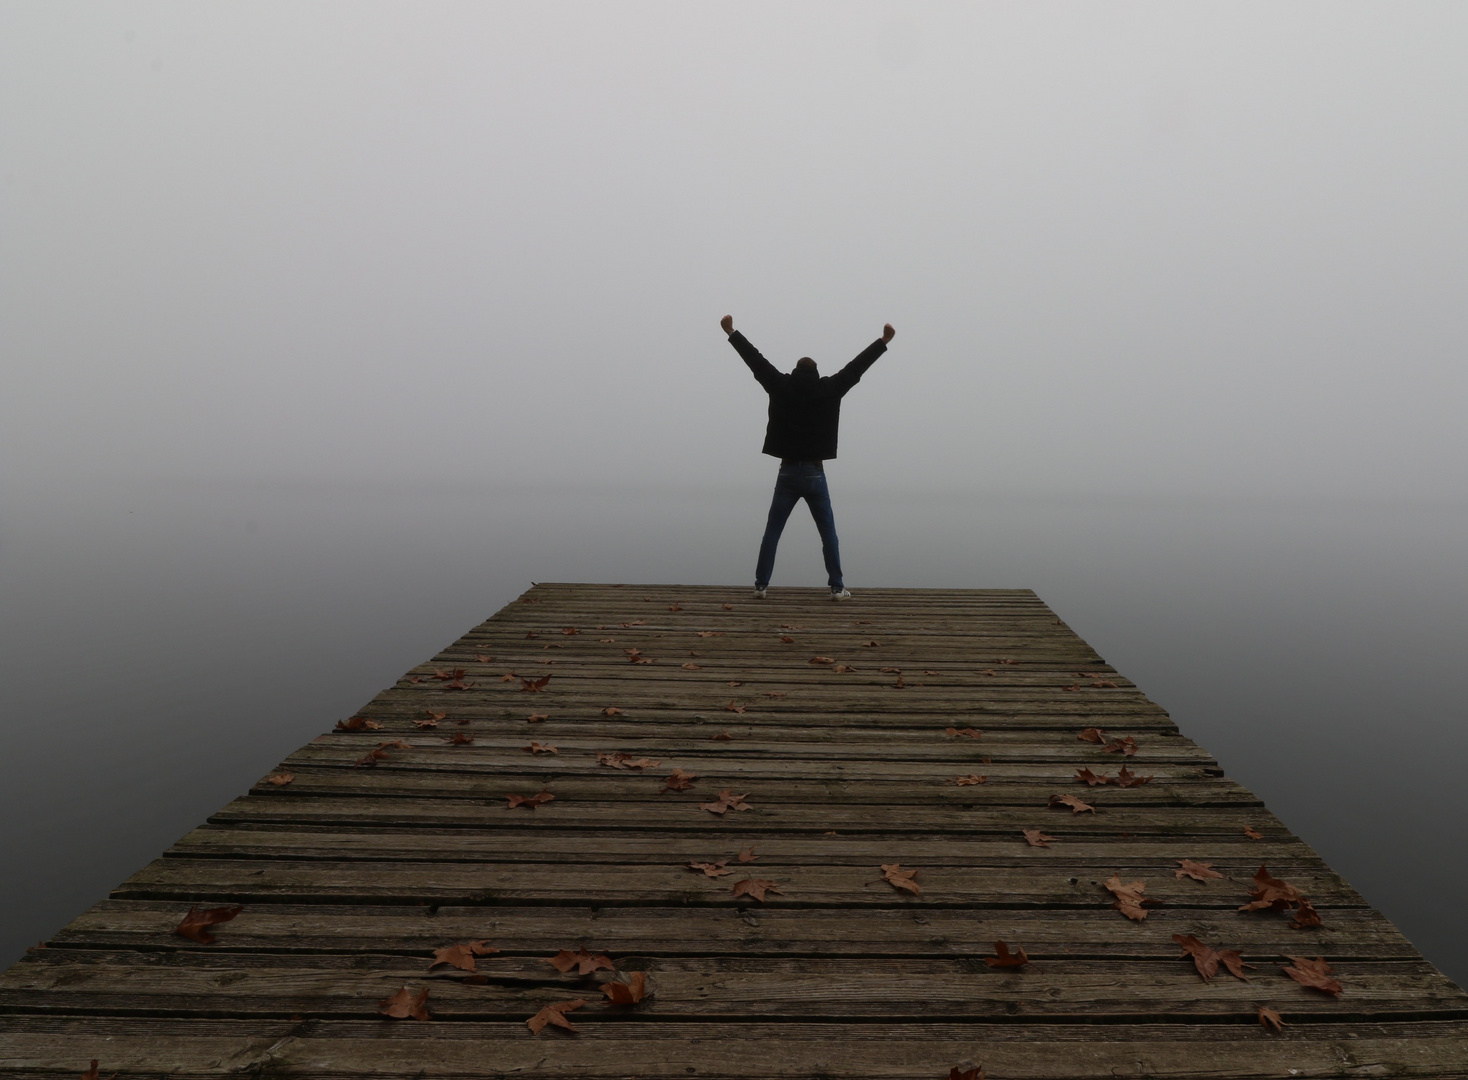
(1129, 897)
(1071, 801)
(755, 887)
(554, 1014)
(1271, 892)
(584, 962)
(1252, 833)
(461, 956)
(1092, 734)
(746, 854)
(611, 710)
(1007, 958)
(405, 1004)
(280, 779)
(1314, 974)
(711, 869)
(1268, 1018)
(626, 993)
(196, 923)
(726, 801)
(1035, 838)
(1198, 871)
(901, 879)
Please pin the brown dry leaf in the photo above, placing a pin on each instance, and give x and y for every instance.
(1268, 1018)
(870, 644)
(1270, 892)
(954, 732)
(726, 801)
(508, 676)
(728, 607)
(891, 671)
(634, 622)
(370, 758)
(531, 634)
(970, 780)
(280, 779)
(461, 956)
(711, 869)
(1127, 747)
(755, 887)
(1253, 833)
(358, 723)
(1198, 871)
(619, 760)
(584, 962)
(483, 658)
(196, 923)
(611, 710)
(1126, 778)
(1105, 684)
(1072, 686)
(425, 724)
(1305, 915)
(675, 607)
(901, 879)
(679, 781)
(540, 748)
(626, 993)
(710, 633)
(976, 1073)
(1314, 974)
(448, 676)
(570, 631)
(1206, 958)
(734, 707)
(821, 660)
(1071, 801)
(534, 686)
(786, 639)
(530, 802)
(1092, 779)
(1005, 661)
(746, 854)
(1129, 897)
(990, 672)
(843, 669)
(605, 640)
(537, 718)
(554, 1014)
(899, 684)
(92, 1074)
(776, 693)
(691, 666)
(722, 736)
(736, 682)
(460, 738)
(405, 1004)
(634, 656)
(1093, 734)
(1007, 958)
(1035, 838)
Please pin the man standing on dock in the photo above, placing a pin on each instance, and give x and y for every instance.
(805, 410)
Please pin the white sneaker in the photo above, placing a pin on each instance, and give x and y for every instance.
(844, 594)
(759, 594)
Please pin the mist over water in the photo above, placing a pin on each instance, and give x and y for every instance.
(167, 643)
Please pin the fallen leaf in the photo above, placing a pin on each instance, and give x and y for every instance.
(1091, 778)
(1126, 778)
(931, 673)
(891, 671)
(710, 633)
(746, 854)
(1206, 958)
(970, 780)
(619, 760)
(711, 869)
(1104, 684)
(1006, 662)
(728, 607)
(1007, 958)
(539, 748)
(460, 738)
(755, 887)
(634, 622)
(530, 802)
(508, 676)
(870, 644)
(448, 676)
(901, 879)
(634, 656)
(92, 1074)
(569, 630)
(1252, 833)
(1314, 974)
(554, 1014)
(691, 666)
(821, 660)
(786, 639)
(722, 736)
(899, 684)
(358, 723)
(675, 607)
(537, 718)
(1093, 734)
(1035, 838)
(461, 956)
(679, 781)
(956, 1073)
(1268, 1018)
(611, 710)
(1271, 892)
(734, 707)
(954, 732)
(1305, 915)
(1127, 746)
(776, 693)
(424, 724)
(1198, 871)
(726, 801)
(534, 685)
(584, 962)
(1129, 897)
(531, 634)
(405, 1004)
(196, 923)
(990, 672)
(483, 658)
(1072, 686)
(280, 779)
(606, 640)
(843, 669)
(1071, 801)
(626, 993)
(370, 758)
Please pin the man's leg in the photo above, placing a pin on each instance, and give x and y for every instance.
(784, 500)
(818, 498)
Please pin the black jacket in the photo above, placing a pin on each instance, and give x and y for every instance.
(805, 410)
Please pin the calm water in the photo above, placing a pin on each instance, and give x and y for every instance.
(164, 645)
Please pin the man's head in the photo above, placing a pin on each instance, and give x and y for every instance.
(807, 367)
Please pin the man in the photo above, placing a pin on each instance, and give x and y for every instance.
(805, 410)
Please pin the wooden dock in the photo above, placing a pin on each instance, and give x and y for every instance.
(906, 730)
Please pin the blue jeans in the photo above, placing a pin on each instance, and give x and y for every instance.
(795, 482)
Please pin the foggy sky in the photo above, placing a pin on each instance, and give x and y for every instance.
(1134, 247)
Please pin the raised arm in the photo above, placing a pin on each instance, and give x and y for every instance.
(762, 369)
(848, 376)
